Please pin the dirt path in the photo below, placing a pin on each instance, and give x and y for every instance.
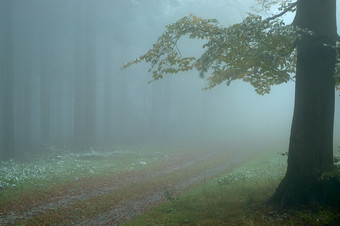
(128, 208)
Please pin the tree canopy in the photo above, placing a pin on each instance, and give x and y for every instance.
(256, 50)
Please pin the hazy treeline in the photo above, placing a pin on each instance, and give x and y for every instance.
(61, 82)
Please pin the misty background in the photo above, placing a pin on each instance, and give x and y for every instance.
(62, 85)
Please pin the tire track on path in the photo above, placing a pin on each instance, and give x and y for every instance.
(76, 195)
(129, 209)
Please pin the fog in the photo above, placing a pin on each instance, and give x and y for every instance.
(62, 85)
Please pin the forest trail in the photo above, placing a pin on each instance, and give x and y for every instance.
(132, 193)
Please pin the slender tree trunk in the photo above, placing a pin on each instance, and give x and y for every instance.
(26, 77)
(90, 93)
(108, 96)
(45, 98)
(311, 142)
(90, 77)
(8, 87)
(45, 80)
(85, 80)
(79, 83)
(79, 97)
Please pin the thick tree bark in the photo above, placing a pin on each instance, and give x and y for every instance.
(311, 142)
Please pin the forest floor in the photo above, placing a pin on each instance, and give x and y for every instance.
(149, 186)
(115, 196)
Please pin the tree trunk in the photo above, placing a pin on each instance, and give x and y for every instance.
(45, 78)
(8, 87)
(85, 80)
(79, 82)
(311, 142)
(90, 77)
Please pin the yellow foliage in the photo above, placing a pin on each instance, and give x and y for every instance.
(196, 19)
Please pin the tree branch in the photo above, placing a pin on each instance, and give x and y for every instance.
(282, 13)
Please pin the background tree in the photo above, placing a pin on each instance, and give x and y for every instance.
(266, 53)
(85, 78)
(7, 82)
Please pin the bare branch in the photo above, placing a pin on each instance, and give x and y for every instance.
(282, 13)
(180, 54)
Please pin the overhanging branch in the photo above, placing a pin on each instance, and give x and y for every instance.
(282, 13)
